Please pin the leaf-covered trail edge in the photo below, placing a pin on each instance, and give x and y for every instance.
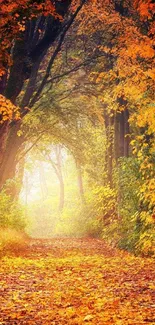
(76, 281)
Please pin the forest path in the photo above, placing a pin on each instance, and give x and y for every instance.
(76, 281)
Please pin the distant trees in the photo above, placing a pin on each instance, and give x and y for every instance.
(56, 163)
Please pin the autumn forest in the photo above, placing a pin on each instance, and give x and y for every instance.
(77, 162)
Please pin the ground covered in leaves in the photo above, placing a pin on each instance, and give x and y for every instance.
(76, 281)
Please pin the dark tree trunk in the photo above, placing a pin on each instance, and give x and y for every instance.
(117, 135)
(121, 134)
(123, 116)
(3, 81)
(17, 71)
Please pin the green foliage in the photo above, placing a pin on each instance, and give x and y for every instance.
(12, 226)
(128, 183)
(134, 226)
(11, 213)
(95, 156)
(102, 200)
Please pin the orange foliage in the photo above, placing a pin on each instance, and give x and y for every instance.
(127, 39)
(8, 111)
(145, 8)
(14, 15)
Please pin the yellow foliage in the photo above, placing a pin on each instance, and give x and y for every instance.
(146, 117)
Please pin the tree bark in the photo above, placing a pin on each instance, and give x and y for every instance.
(4, 128)
(17, 72)
(60, 176)
(127, 133)
(122, 134)
(9, 161)
(62, 194)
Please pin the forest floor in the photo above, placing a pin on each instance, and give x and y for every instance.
(76, 281)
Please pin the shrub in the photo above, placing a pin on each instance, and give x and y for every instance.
(11, 213)
(145, 243)
(135, 227)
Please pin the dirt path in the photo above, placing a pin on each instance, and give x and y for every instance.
(79, 281)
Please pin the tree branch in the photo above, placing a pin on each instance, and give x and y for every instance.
(58, 48)
(25, 153)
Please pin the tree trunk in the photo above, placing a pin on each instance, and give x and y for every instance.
(116, 137)
(17, 72)
(19, 176)
(127, 132)
(9, 159)
(3, 81)
(43, 184)
(122, 134)
(9, 140)
(80, 181)
(60, 176)
(57, 166)
(62, 194)
(4, 128)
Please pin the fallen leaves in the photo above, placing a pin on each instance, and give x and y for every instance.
(76, 281)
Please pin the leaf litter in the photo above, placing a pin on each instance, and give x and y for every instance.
(76, 281)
